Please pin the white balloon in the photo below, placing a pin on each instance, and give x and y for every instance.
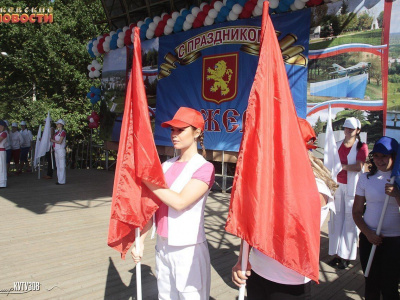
(139, 24)
(218, 5)
(91, 75)
(299, 4)
(293, 7)
(94, 62)
(186, 25)
(87, 46)
(121, 35)
(106, 47)
(95, 43)
(89, 67)
(152, 26)
(257, 11)
(237, 8)
(228, 19)
(208, 21)
(273, 3)
(156, 20)
(175, 15)
(112, 33)
(202, 5)
(125, 28)
(107, 39)
(190, 18)
(171, 23)
(120, 43)
(224, 2)
(305, 1)
(212, 13)
(149, 34)
(260, 3)
(168, 30)
(195, 11)
(232, 16)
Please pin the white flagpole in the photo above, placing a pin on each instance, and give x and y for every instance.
(378, 232)
(245, 257)
(138, 267)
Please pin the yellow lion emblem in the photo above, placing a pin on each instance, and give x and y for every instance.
(217, 74)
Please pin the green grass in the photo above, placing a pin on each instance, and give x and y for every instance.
(393, 96)
(372, 37)
(373, 92)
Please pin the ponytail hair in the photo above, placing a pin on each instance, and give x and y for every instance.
(201, 141)
(359, 144)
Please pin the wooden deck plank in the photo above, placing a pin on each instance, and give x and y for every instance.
(57, 235)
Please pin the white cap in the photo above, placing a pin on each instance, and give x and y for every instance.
(14, 124)
(23, 123)
(352, 123)
(61, 121)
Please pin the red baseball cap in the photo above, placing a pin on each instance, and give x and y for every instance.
(185, 117)
(308, 133)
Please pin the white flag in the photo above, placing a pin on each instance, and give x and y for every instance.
(45, 143)
(331, 155)
(37, 146)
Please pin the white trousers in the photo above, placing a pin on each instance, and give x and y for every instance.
(3, 169)
(183, 272)
(60, 163)
(343, 232)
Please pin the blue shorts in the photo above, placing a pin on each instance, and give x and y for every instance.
(8, 151)
(24, 154)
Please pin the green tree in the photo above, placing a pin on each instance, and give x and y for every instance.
(46, 66)
(380, 19)
(365, 21)
(319, 126)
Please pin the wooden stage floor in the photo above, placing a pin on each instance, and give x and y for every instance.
(57, 236)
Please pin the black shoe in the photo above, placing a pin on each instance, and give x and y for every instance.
(57, 183)
(344, 264)
(335, 261)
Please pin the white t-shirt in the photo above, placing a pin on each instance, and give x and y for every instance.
(273, 270)
(27, 138)
(15, 140)
(373, 189)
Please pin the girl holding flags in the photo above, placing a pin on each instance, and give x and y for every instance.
(342, 229)
(182, 257)
(372, 188)
(59, 151)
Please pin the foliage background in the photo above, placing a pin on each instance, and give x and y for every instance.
(49, 60)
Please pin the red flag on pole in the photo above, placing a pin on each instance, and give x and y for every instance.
(132, 203)
(275, 204)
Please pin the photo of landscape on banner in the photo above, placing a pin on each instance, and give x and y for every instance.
(345, 62)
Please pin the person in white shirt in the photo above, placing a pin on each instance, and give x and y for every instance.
(8, 146)
(15, 140)
(26, 146)
(269, 279)
(372, 188)
(59, 151)
(3, 155)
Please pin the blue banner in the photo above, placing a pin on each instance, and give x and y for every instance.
(212, 69)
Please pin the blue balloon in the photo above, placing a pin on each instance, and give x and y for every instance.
(92, 88)
(180, 20)
(282, 7)
(148, 21)
(185, 13)
(177, 28)
(89, 95)
(119, 30)
(96, 98)
(142, 34)
(90, 51)
(242, 2)
(229, 4)
(113, 44)
(220, 18)
(93, 101)
(288, 2)
(224, 11)
(144, 28)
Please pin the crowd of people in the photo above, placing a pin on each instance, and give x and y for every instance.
(16, 145)
(183, 262)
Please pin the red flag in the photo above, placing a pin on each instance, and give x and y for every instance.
(275, 204)
(133, 204)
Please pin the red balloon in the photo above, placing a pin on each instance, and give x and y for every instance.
(212, 3)
(206, 9)
(249, 6)
(254, 1)
(245, 14)
(201, 16)
(197, 23)
(132, 26)
(166, 18)
(127, 40)
(100, 45)
(159, 31)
